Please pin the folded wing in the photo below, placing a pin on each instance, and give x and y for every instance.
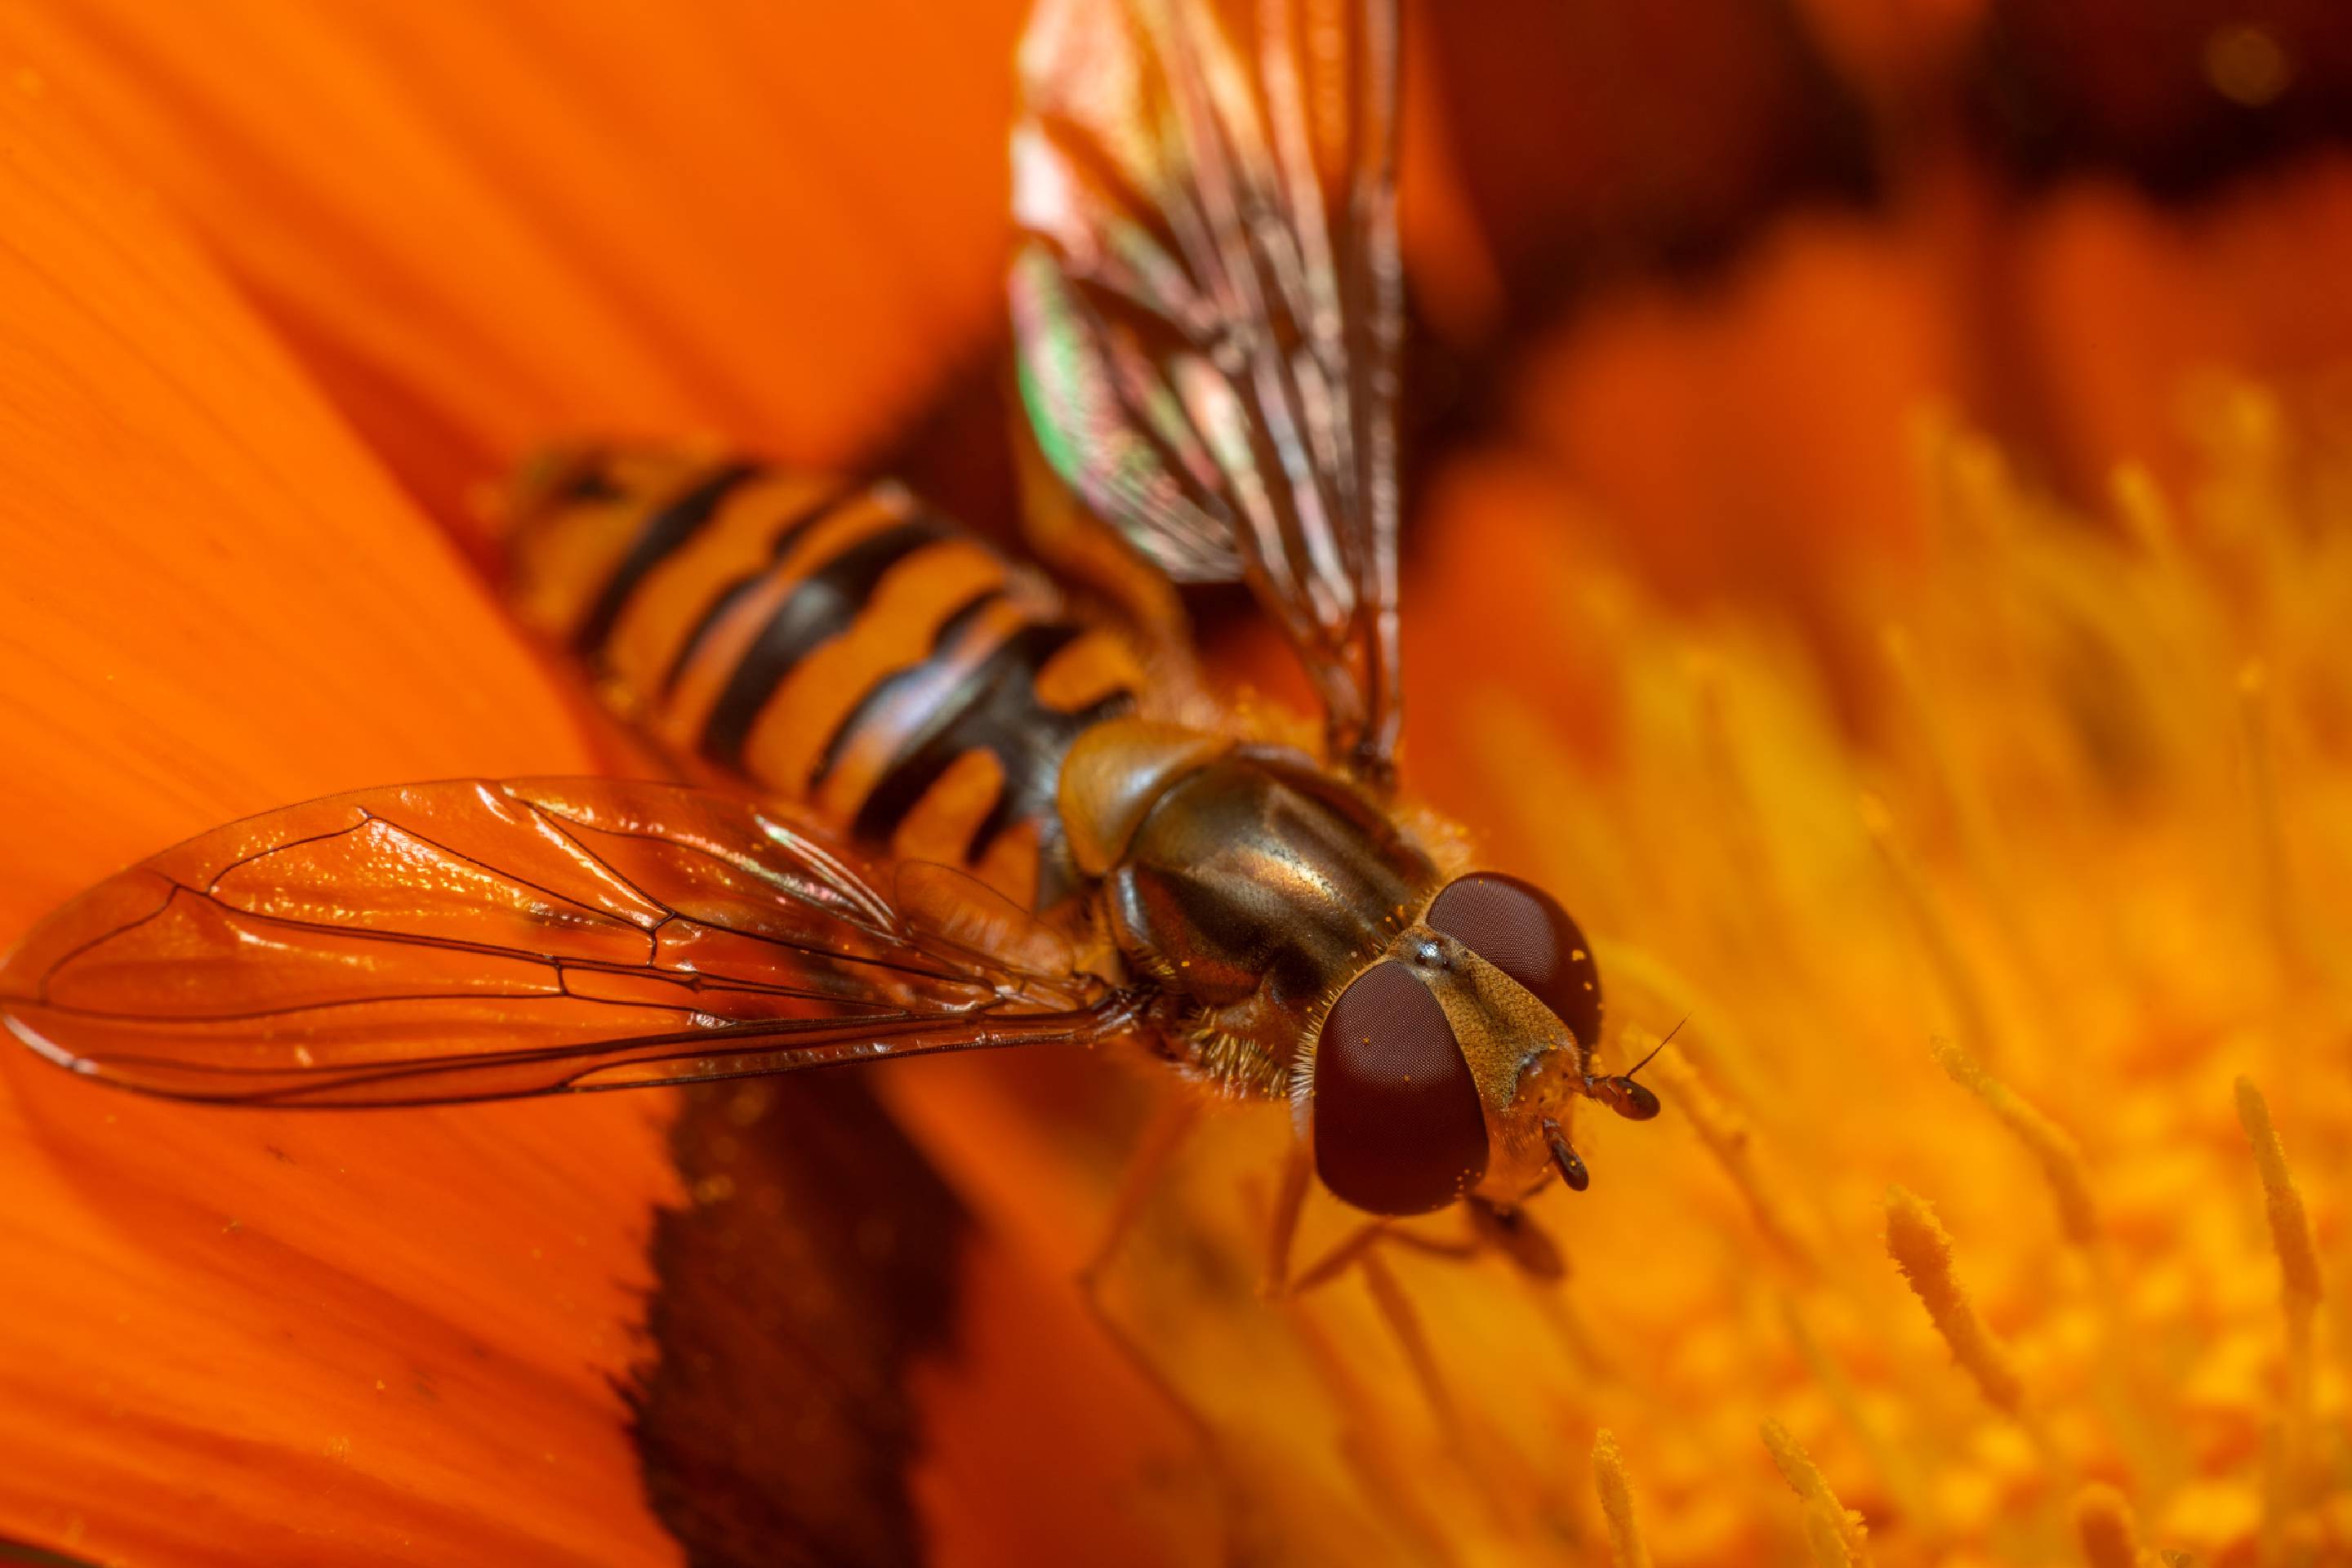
(1209, 304)
(471, 940)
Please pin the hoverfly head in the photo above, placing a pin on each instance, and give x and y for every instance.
(1515, 928)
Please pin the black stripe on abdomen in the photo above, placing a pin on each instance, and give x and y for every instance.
(997, 710)
(727, 598)
(877, 698)
(820, 607)
(664, 534)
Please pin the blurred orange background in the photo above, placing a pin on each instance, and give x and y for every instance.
(284, 284)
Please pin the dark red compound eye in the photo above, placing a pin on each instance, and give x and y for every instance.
(1517, 928)
(1398, 1126)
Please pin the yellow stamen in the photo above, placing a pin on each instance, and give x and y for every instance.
(1920, 1247)
(1964, 798)
(2289, 1227)
(1617, 1502)
(2051, 1147)
(1967, 483)
(1729, 1138)
(1835, 1533)
(2271, 861)
(1713, 1039)
(2060, 1160)
(2144, 509)
(2291, 1235)
(1825, 1540)
(1745, 835)
(1933, 923)
(1896, 1465)
(2103, 1522)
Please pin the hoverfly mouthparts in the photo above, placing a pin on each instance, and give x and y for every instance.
(1571, 1163)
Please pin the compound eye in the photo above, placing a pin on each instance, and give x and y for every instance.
(1517, 928)
(1398, 1125)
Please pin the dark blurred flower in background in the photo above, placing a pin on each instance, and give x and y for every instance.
(1846, 728)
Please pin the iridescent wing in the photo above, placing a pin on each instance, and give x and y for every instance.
(1209, 306)
(477, 941)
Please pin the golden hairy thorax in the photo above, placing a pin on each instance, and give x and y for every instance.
(1240, 877)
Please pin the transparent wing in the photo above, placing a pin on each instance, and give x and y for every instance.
(1209, 306)
(473, 940)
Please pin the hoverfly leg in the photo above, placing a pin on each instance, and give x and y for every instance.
(1514, 1233)
(1359, 1249)
(1282, 1231)
(1352, 1248)
(1404, 1324)
(1147, 1168)
(1344, 1255)
(1544, 1269)
(1497, 1472)
(1231, 1499)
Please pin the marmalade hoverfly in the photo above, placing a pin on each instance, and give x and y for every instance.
(935, 810)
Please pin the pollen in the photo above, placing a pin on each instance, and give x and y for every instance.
(1921, 1249)
(2053, 1150)
(1833, 1533)
(2290, 1226)
(2294, 1488)
(1730, 1140)
(1625, 1548)
(2102, 1523)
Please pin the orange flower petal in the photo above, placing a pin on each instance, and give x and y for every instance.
(480, 225)
(264, 1338)
(2126, 301)
(1752, 433)
(1755, 428)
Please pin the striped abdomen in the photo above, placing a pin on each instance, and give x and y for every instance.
(834, 643)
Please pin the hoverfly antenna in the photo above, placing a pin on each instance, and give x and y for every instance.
(1665, 1040)
(1571, 1166)
(1632, 1101)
